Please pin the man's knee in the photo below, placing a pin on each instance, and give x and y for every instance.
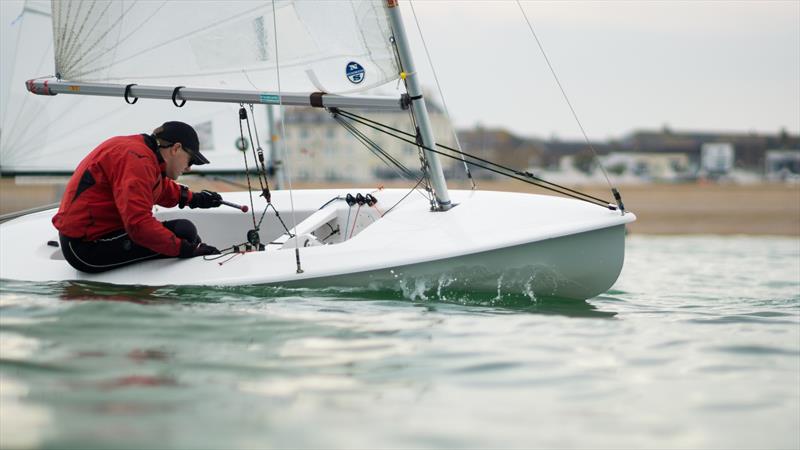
(183, 228)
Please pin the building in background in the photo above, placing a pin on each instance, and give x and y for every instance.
(716, 159)
(501, 147)
(749, 148)
(648, 167)
(324, 151)
(783, 165)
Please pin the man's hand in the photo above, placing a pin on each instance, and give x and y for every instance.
(205, 199)
(190, 250)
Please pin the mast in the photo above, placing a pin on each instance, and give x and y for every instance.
(418, 107)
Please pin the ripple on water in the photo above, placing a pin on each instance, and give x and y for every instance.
(763, 319)
(701, 351)
(757, 350)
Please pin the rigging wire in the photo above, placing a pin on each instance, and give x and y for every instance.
(399, 168)
(526, 177)
(441, 94)
(563, 92)
(423, 161)
(283, 135)
(370, 123)
(425, 167)
(405, 196)
(225, 180)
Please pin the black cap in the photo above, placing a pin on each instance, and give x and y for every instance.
(174, 132)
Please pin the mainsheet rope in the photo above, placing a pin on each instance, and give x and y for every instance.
(261, 171)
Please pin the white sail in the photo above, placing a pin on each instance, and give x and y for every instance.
(51, 134)
(332, 45)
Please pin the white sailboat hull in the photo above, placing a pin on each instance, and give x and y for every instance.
(492, 242)
(545, 268)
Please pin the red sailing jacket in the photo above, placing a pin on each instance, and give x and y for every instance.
(114, 188)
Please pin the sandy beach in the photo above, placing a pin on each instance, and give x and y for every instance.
(760, 209)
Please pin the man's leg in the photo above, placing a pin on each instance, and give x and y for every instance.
(109, 252)
(117, 249)
(184, 229)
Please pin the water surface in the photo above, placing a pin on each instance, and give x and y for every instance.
(696, 346)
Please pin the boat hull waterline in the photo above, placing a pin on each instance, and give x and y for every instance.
(491, 242)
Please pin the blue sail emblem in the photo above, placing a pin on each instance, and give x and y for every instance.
(355, 73)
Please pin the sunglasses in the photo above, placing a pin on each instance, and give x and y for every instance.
(191, 153)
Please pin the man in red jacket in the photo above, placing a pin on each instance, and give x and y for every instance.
(106, 215)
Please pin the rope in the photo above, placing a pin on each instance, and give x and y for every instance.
(247, 173)
(347, 222)
(355, 220)
(225, 180)
(283, 134)
(404, 197)
(263, 168)
(441, 94)
(261, 173)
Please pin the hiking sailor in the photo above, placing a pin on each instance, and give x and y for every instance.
(105, 219)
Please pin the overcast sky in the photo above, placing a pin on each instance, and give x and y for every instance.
(691, 65)
(626, 65)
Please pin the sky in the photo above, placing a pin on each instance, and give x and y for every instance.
(687, 65)
(625, 65)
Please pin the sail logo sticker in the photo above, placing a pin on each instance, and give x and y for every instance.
(355, 73)
(270, 99)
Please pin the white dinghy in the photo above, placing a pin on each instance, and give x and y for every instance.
(490, 242)
(397, 239)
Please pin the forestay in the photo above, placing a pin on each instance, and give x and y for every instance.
(228, 45)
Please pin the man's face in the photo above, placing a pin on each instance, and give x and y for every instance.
(177, 161)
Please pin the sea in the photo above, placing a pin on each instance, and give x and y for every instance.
(696, 346)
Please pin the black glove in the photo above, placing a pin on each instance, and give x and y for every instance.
(190, 250)
(205, 199)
